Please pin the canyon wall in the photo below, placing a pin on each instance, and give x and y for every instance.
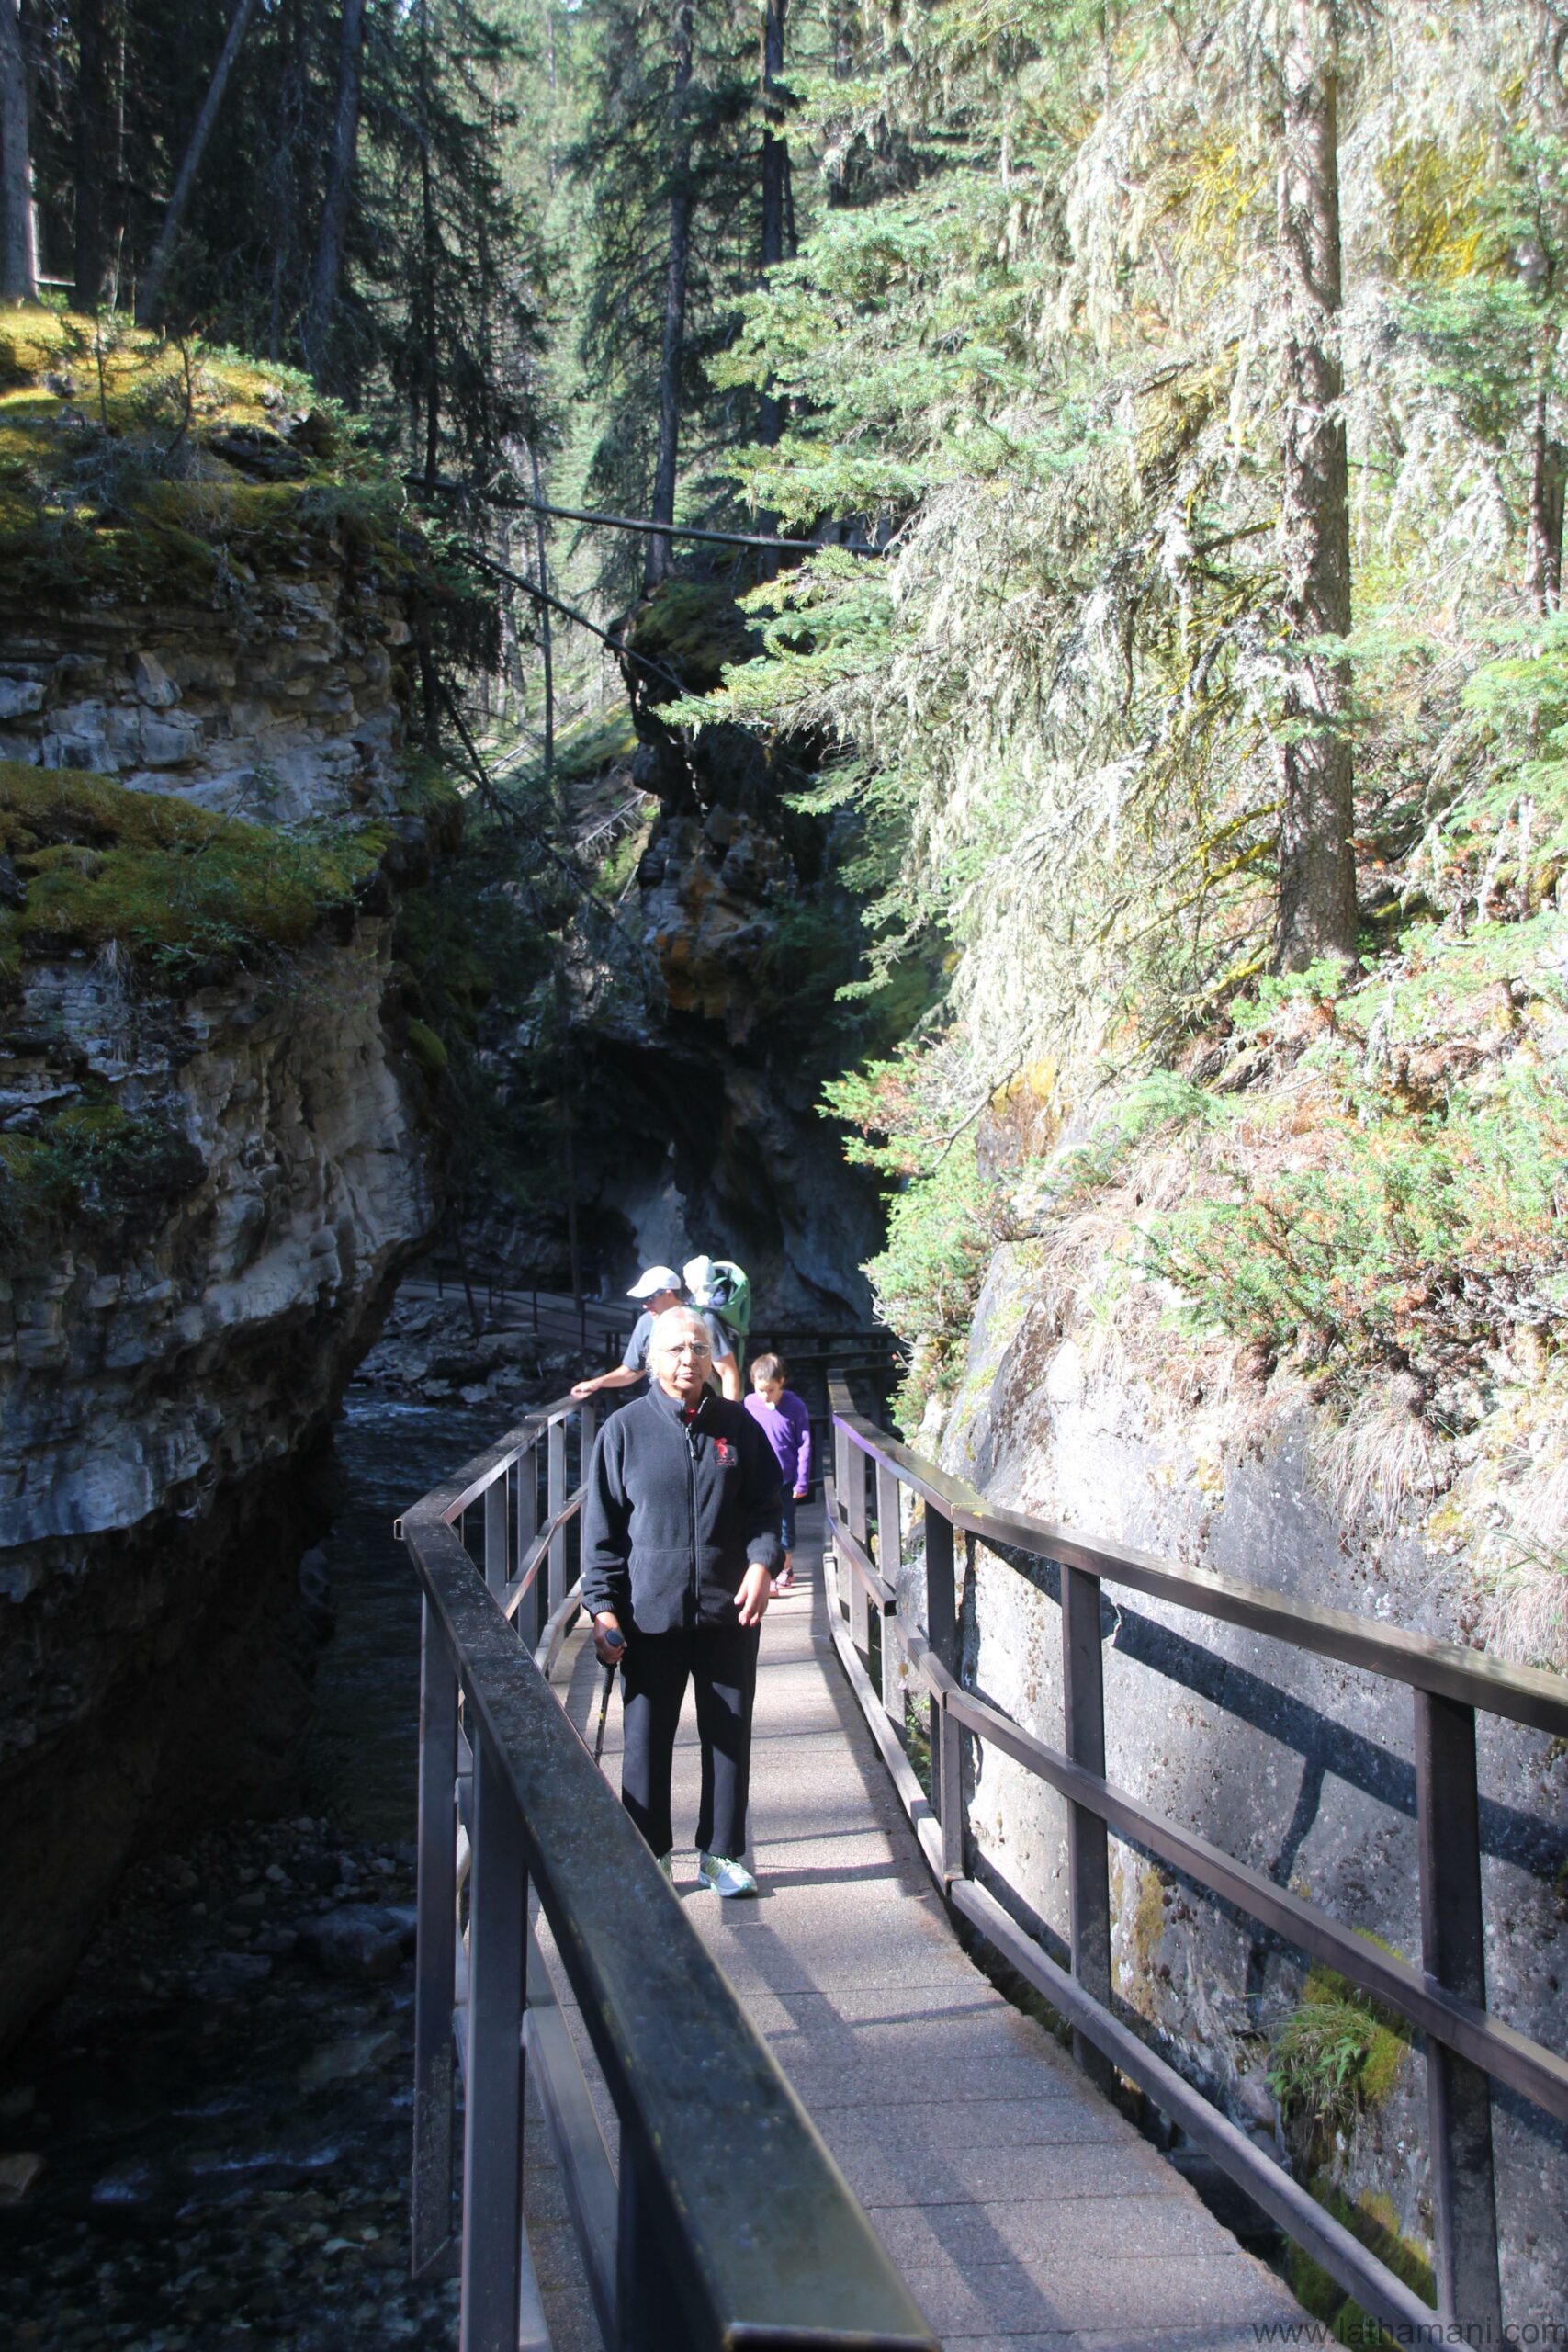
(1301, 1767)
(212, 1135)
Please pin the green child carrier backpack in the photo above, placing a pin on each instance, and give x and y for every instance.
(719, 1286)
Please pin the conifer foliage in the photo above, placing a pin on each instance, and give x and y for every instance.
(324, 183)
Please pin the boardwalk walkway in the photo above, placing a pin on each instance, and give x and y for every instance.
(1024, 2211)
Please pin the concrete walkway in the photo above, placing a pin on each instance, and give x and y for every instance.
(1022, 2209)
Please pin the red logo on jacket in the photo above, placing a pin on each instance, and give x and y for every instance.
(725, 1451)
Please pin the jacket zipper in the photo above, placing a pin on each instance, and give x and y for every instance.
(691, 1437)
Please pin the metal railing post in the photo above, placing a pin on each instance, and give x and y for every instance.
(492, 2137)
(437, 1913)
(555, 1496)
(843, 1447)
(496, 1564)
(530, 1616)
(853, 1504)
(889, 1559)
(1088, 1870)
(947, 1740)
(648, 2316)
(1454, 1955)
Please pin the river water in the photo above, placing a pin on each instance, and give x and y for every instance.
(361, 1760)
(221, 2101)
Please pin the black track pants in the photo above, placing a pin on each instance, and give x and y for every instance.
(722, 1661)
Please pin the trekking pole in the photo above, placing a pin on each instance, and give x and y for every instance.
(604, 1712)
(604, 1703)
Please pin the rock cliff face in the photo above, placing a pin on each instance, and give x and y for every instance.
(281, 700)
(162, 1395)
(726, 1073)
(1299, 1768)
(708, 1137)
(244, 1174)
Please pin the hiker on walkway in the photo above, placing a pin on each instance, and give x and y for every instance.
(784, 1421)
(658, 1288)
(720, 1289)
(680, 1546)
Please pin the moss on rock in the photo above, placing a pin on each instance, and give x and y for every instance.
(128, 469)
(1340, 2054)
(1374, 2221)
(185, 893)
(693, 629)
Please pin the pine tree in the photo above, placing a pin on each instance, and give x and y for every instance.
(316, 327)
(18, 254)
(149, 296)
(1317, 871)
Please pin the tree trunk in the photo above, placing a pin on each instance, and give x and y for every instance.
(1317, 871)
(97, 189)
(429, 336)
(149, 300)
(1543, 531)
(19, 247)
(328, 266)
(663, 506)
(775, 182)
(546, 640)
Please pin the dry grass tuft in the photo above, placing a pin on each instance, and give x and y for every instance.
(1385, 1457)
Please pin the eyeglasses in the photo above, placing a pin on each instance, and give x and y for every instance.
(697, 1348)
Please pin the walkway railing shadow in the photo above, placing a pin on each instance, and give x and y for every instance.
(1445, 1999)
(728, 2223)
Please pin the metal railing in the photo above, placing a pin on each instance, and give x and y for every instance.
(727, 2223)
(1445, 1999)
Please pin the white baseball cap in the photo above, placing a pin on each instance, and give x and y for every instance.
(652, 1280)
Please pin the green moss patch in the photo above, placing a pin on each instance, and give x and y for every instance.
(95, 1166)
(188, 895)
(428, 1051)
(1372, 2220)
(694, 630)
(1338, 2055)
(128, 466)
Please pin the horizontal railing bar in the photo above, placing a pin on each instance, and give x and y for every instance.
(539, 1550)
(701, 2098)
(449, 1501)
(1523, 1694)
(1267, 2183)
(556, 1627)
(1510, 2056)
(916, 1803)
(1272, 2187)
(861, 1560)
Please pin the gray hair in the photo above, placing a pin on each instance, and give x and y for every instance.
(673, 1324)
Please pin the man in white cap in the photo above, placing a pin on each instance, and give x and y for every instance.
(658, 1287)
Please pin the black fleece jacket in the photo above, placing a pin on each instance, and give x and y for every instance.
(675, 1513)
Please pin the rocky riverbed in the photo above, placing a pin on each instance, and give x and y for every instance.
(205, 2145)
(211, 2129)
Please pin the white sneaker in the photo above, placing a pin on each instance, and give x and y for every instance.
(724, 1876)
(667, 1864)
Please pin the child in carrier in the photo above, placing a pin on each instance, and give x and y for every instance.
(786, 1424)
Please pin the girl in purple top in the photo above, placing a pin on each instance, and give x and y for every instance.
(786, 1424)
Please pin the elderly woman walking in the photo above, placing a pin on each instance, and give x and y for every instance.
(680, 1546)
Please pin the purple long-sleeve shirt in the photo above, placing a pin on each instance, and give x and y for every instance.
(787, 1428)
